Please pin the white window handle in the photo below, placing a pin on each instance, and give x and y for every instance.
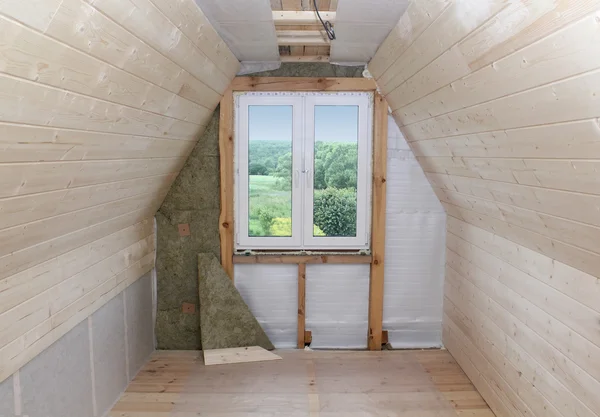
(308, 178)
(296, 178)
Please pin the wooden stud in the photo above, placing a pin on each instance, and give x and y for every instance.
(226, 222)
(378, 222)
(302, 259)
(302, 84)
(301, 305)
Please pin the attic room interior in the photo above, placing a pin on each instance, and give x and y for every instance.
(300, 208)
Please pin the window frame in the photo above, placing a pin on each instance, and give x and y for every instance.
(303, 142)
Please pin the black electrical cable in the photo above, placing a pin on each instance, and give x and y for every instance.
(327, 25)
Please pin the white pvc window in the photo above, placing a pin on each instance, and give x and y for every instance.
(303, 170)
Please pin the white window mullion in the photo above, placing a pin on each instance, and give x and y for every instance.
(297, 173)
(309, 168)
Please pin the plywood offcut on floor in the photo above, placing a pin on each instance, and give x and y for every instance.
(238, 355)
(313, 384)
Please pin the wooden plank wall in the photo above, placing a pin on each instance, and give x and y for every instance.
(101, 101)
(500, 102)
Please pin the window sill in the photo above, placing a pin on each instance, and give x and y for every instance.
(279, 258)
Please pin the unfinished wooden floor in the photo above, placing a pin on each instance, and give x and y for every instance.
(312, 384)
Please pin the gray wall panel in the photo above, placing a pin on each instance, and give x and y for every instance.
(58, 382)
(140, 332)
(6, 398)
(108, 336)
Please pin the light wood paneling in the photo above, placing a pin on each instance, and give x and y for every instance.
(22, 143)
(499, 102)
(100, 104)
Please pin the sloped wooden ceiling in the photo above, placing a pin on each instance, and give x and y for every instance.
(500, 101)
(101, 101)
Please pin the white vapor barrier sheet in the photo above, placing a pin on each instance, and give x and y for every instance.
(246, 26)
(361, 26)
(337, 305)
(271, 292)
(414, 251)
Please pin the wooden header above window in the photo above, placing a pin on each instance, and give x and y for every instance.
(302, 84)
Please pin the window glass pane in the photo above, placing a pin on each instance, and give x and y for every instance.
(335, 170)
(270, 170)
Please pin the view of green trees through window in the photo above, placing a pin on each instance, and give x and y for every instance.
(335, 181)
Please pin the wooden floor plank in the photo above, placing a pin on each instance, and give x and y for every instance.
(305, 383)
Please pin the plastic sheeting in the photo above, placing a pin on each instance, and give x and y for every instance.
(271, 292)
(337, 296)
(361, 26)
(337, 306)
(415, 251)
(246, 26)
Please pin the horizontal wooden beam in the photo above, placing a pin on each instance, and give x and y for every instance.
(301, 17)
(304, 58)
(294, 38)
(302, 84)
(302, 34)
(302, 259)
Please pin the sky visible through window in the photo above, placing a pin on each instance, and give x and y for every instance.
(332, 123)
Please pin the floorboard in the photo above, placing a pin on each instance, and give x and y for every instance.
(314, 384)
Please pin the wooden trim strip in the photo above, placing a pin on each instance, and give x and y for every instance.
(226, 221)
(378, 222)
(302, 84)
(302, 259)
(301, 305)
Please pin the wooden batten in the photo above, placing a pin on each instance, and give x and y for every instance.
(305, 58)
(303, 18)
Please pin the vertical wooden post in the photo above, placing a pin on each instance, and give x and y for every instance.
(226, 229)
(301, 304)
(380, 133)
